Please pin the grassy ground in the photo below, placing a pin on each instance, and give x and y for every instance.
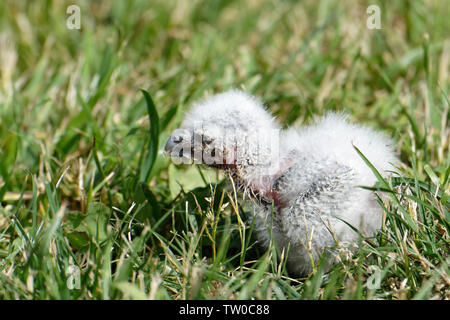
(84, 186)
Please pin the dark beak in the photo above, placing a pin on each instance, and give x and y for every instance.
(169, 147)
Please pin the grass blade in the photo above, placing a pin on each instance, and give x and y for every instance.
(152, 152)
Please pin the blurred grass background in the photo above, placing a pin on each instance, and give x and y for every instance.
(83, 182)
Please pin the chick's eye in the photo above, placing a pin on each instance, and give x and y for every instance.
(177, 138)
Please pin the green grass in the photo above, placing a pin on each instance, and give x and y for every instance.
(83, 181)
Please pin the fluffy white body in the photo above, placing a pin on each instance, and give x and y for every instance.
(305, 182)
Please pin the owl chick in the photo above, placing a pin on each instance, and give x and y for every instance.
(305, 182)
